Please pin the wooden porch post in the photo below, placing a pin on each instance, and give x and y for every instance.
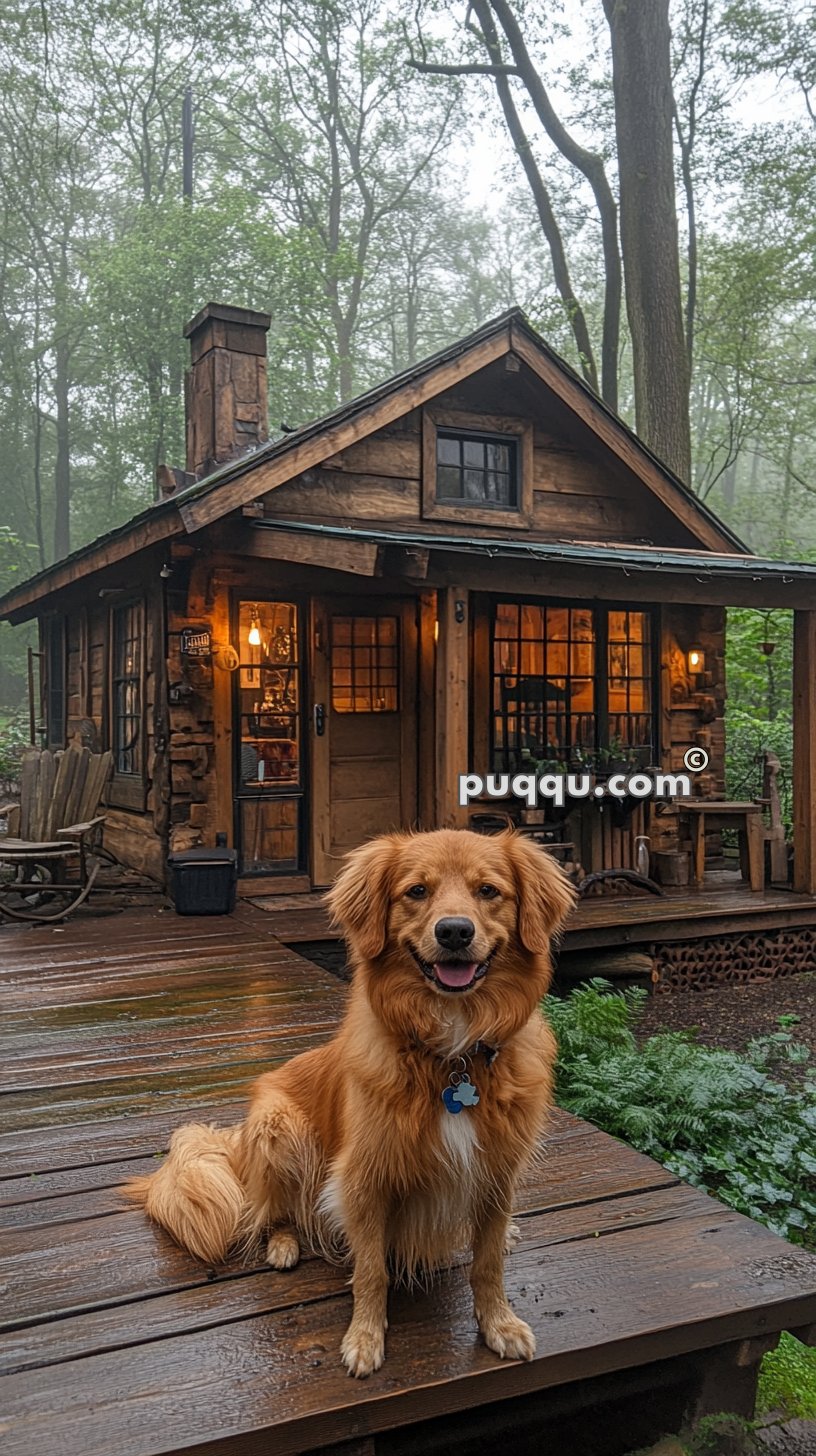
(452, 704)
(804, 752)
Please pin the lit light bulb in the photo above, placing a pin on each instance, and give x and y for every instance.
(254, 638)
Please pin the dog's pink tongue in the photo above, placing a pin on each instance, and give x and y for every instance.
(455, 973)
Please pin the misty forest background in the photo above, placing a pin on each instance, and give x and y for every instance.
(383, 178)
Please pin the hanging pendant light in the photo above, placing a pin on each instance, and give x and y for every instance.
(254, 637)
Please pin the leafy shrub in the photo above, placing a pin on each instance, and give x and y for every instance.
(724, 1122)
(14, 741)
(787, 1380)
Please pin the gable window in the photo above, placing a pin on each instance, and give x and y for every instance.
(53, 659)
(477, 468)
(127, 706)
(570, 681)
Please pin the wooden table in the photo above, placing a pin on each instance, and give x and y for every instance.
(642, 1292)
(709, 814)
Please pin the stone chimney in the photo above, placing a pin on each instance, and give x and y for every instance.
(225, 386)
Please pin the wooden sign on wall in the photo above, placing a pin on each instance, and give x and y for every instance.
(195, 642)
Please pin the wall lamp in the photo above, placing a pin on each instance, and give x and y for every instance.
(696, 659)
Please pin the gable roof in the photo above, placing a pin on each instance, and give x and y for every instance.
(281, 459)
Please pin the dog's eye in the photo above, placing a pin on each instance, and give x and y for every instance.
(488, 892)
(417, 892)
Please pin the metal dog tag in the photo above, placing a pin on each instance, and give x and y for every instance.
(459, 1093)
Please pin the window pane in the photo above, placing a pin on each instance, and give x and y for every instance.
(126, 734)
(629, 688)
(269, 696)
(548, 709)
(477, 469)
(498, 487)
(449, 481)
(364, 673)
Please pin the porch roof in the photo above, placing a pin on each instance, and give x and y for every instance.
(708, 575)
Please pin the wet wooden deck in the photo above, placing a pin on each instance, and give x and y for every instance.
(114, 1341)
(610, 920)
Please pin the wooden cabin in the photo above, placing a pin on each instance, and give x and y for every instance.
(475, 566)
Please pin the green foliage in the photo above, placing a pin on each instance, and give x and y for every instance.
(759, 705)
(787, 1380)
(14, 741)
(726, 1123)
(16, 562)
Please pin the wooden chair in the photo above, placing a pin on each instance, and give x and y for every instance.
(46, 869)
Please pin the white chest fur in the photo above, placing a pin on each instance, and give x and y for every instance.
(459, 1146)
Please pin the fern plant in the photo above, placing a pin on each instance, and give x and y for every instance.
(726, 1122)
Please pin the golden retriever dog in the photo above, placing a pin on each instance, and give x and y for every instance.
(401, 1141)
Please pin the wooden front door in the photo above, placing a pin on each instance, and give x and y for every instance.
(364, 725)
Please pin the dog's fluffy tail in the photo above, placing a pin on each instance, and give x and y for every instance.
(197, 1193)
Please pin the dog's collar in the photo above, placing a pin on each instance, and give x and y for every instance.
(489, 1052)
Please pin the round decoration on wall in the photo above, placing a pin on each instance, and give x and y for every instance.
(226, 657)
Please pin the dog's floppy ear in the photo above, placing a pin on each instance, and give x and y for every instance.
(545, 894)
(358, 899)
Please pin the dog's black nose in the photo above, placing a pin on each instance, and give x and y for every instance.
(454, 932)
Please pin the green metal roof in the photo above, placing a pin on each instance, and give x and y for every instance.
(630, 559)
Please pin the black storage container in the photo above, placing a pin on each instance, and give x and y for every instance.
(202, 881)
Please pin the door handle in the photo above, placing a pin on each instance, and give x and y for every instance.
(319, 714)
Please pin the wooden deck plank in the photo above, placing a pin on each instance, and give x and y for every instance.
(25, 1151)
(595, 1304)
(117, 1341)
(54, 1331)
(617, 919)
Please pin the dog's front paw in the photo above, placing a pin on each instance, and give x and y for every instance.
(508, 1336)
(363, 1350)
(512, 1237)
(283, 1250)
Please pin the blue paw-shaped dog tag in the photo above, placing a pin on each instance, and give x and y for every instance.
(466, 1094)
(450, 1099)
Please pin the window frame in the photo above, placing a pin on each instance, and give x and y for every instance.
(375, 664)
(296, 792)
(54, 646)
(500, 428)
(127, 790)
(600, 610)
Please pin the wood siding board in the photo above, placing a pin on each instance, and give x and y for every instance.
(331, 493)
(361, 558)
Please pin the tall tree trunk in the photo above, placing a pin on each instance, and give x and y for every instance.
(62, 466)
(641, 77)
(541, 197)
